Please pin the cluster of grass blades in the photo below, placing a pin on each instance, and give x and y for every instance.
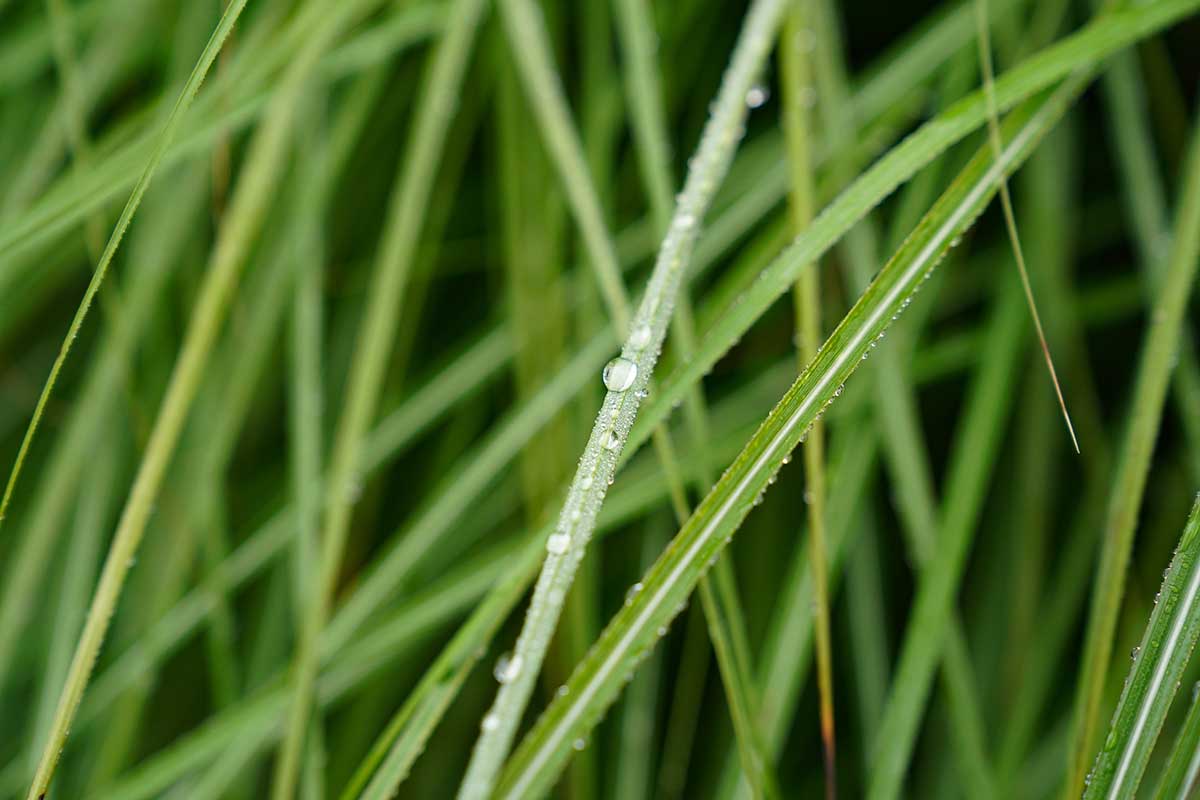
(494, 247)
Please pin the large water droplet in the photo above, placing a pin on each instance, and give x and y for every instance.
(619, 374)
(633, 592)
(507, 667)
(613, 440)
(490, 722)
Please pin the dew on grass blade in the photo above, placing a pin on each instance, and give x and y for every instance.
(619, 374)
(507, 668)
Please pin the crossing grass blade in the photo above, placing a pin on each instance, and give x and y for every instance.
(1158, 665)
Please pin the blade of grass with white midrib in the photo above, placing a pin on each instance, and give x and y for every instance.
(1085, 47)
(405, 738)
(1145, 415)
(1158, 665)
(719, 597)
(265, 161)
(598, 679)
(1183, 764)
(361, 658)
(721, 135)
(900, 427)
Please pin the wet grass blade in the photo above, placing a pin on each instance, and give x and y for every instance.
(1158, 666)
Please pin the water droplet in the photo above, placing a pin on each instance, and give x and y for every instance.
(558, 543)
(490, 722)
(641, 394)
(619, 374)
(787, 459)
(579, 743)
(639, 337)
(562, 691)
(507, 667)
(613, 440)
(633, 592)
(1134, 653)
(586, 483)
(756, 96)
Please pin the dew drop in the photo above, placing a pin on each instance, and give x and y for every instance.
(639, 337)
(558, 543)
(612, 441)
(633, 592)
(490, 722)
(756, 96)
(562, 691)
(1134, 653)
(586, 483)
(507, 667)
(579, 743)
(619, 374)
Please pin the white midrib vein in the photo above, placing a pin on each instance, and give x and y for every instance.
(1160, 671)
(825, 382)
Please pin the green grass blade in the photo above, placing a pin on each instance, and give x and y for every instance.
(247, 209)
(226, 24)
(1183, 765)
(634, 630)
(437, 103)
(1084, 48)
(1158, 666)
(304, 439)
(795, 56)
(711, 162)
(1125, 499)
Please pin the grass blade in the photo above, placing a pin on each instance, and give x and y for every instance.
(598, 680)
(228, 19)
(714, 154)
(1145, 416)
(246, 211)
(1158, 666)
